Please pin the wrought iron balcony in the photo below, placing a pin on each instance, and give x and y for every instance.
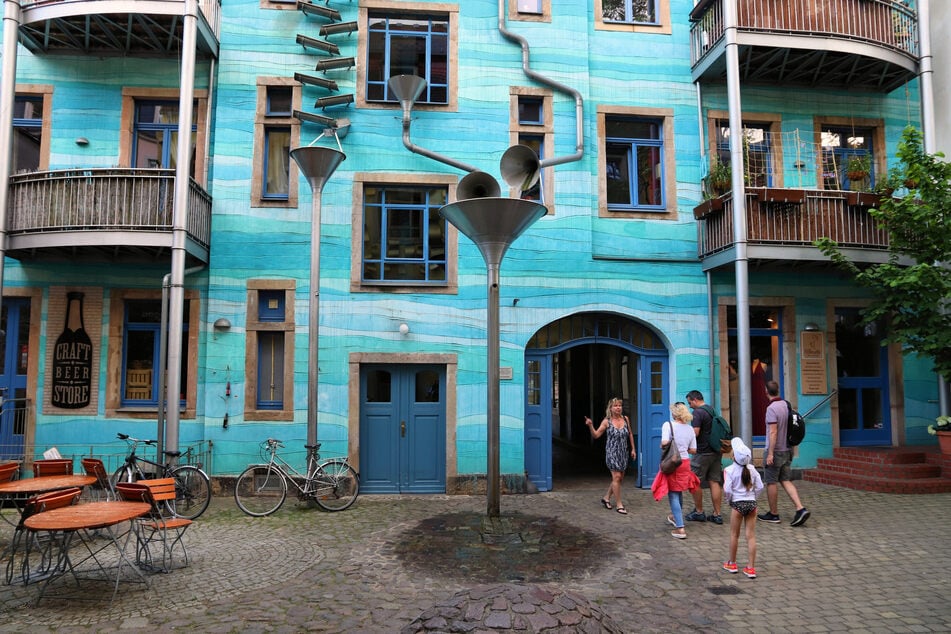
(782, 225)
(856, 44)
(116, 27)
(114, 215)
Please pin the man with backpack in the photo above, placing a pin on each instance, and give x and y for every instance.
(778, 459)
(706, 463)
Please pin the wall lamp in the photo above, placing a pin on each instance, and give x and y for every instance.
(222, 323)
(811, 327)
(404, 329)
(82, 141)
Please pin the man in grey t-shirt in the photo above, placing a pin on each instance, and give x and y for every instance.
(778, 459)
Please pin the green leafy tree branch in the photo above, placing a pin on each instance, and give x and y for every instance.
(912, 290)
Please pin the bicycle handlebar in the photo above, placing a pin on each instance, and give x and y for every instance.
(128, 438)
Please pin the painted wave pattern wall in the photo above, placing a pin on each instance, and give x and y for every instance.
(570, 262)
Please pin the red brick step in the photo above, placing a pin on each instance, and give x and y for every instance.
(885, 469)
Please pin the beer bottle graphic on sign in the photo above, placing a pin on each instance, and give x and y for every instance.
(72, 359)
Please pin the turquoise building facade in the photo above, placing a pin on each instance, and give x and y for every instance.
(621, 289)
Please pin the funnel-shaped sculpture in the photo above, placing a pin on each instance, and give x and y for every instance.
(317, 164)
(493, 224)
(407, 89)
(520, 167)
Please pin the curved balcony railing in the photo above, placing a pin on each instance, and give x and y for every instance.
(104, 200)
(796, 218)
(886, 28)
(116, 26)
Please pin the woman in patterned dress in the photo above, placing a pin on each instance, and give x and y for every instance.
(619, 445)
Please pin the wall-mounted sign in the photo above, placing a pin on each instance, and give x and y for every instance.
(72, 359)
(812, 362)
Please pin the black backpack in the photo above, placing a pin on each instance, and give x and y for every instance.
(795, 427)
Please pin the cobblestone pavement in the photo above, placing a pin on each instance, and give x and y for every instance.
(864, 562)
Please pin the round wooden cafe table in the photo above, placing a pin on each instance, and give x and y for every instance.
(33, 486)
(69, 522)
(90, 515)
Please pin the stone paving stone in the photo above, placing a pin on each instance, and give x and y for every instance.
(863, 562)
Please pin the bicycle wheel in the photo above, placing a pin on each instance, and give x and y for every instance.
(192, 491)
(336, 485)
(260, 490)
(122, 474)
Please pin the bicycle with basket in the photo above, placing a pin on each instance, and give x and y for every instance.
(262, 488)
(192, 485)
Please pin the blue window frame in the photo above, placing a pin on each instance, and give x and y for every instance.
(629, 11)
(270, 381)
(155, 137)
(271, 305)
(404, 237)
(531, 110)
(277, 154)
(757, 152)
(27, 132)
(537, 143)
(140, 349)
(840, 145)
(634, 163)
(408, 44)
(530, 6)
(279, 101)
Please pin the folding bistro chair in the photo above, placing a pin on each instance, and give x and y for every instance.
(160, 526)
(54, 467)
(29, 541)
(9, 471)
(103, 488)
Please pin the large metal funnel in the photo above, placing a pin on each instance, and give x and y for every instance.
(407, 89)
(493, 223)
(317, 164)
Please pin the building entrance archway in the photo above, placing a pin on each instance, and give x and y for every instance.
(573, 366)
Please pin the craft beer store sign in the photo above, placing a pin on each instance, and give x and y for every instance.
(72, 359)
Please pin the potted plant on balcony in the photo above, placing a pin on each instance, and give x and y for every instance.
(942, 429)
(858, 167)
(720, 178)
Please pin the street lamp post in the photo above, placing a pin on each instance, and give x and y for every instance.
(317, 164)
(492, 224)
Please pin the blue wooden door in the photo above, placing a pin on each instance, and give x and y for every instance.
(864, 414)
(14, 347)
(654, 410)
(538, 407)
(402, 429)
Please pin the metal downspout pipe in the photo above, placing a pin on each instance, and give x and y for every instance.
(180, 221)
(711, 313)
(8, 83)
(741, 262)
(929, 133)
(579, 103)
(163, 351)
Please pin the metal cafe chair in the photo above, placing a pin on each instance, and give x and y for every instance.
(159, 526)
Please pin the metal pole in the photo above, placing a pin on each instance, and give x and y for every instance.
(8, 82)
(313, 321)
(180, 222)
(493, 493)
(741, 262)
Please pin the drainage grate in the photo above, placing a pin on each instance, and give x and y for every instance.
(725, 590)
